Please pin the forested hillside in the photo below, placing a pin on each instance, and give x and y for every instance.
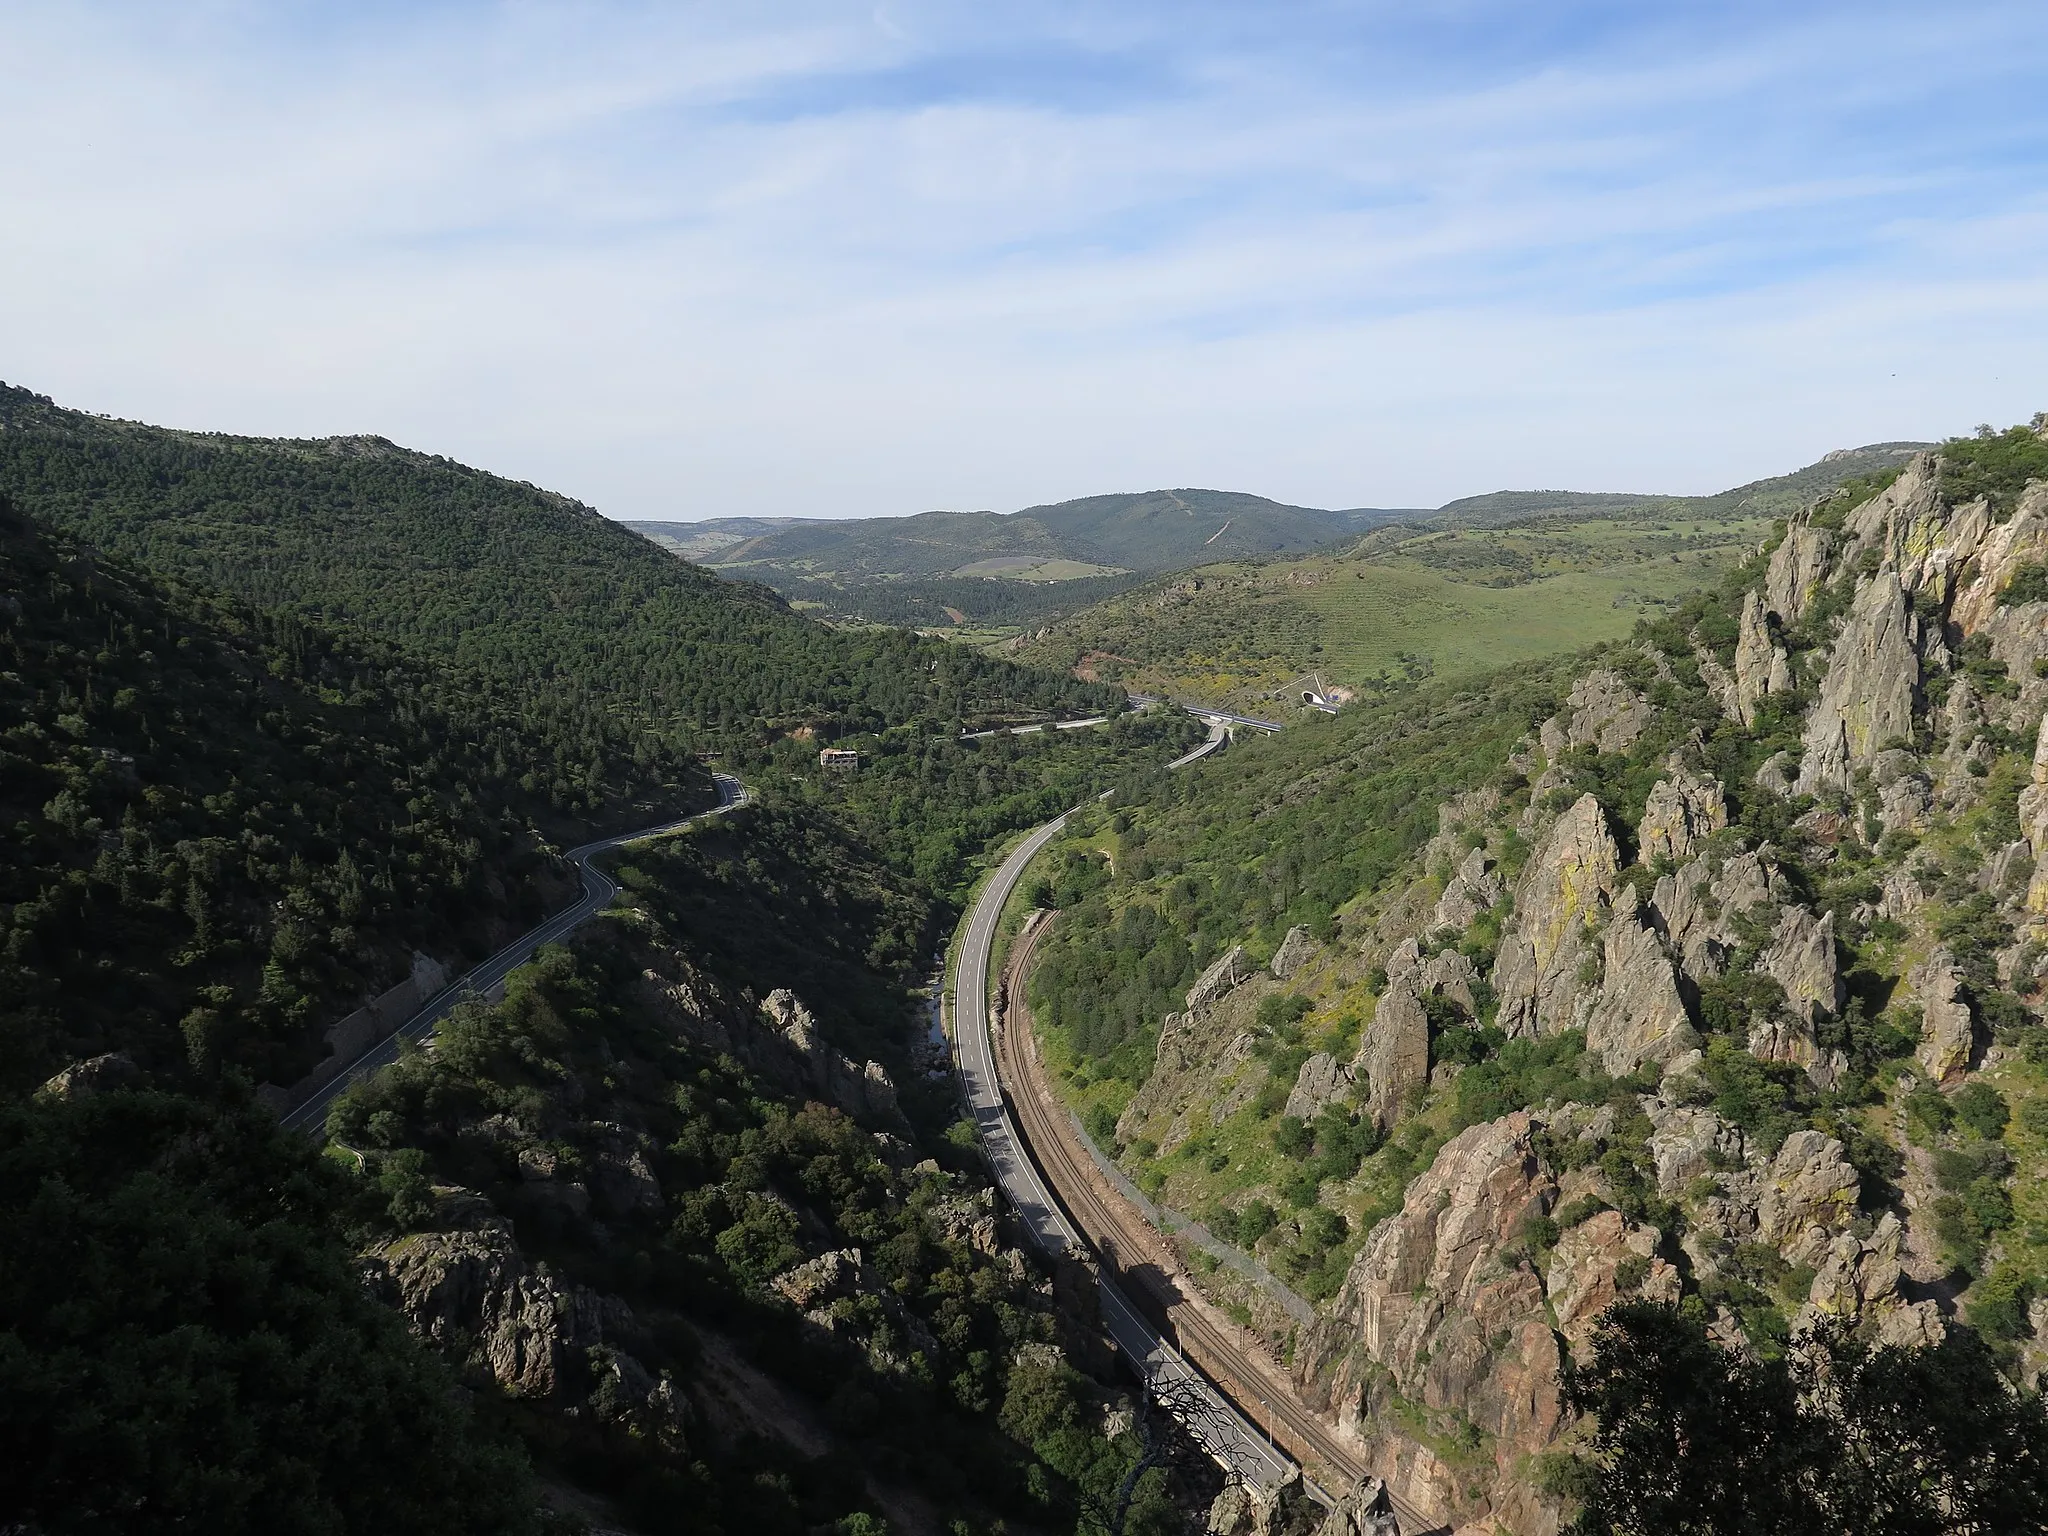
(604, 642)
(228, 827)
(279, 718)
(1704, 970)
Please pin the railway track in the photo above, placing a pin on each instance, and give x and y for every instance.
(1143, 1264)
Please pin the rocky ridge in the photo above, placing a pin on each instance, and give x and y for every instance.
(1734, 864)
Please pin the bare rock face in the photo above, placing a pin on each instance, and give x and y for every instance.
(1566, 887)
(1798, 566)
(1238, 1067)
(1637, 1015)
(2021, 540)
(1858, 1283)
(861, 1090)
(1582, 1272)
(1606, 713)
(1449, 974)
(1801, 959)
(1394, 1054)
(1430, 1311)
(1911, 502)
(1695, 906)
(828, 1278)
(1322, 1081)
(1720, 682)
(1364, 1511)
(1242, 1509)
(1293, 953)
(1948, 1036)
(1905, 794)
(1680, 814)
(475, 1290)
(2033, 809)
(1793, 1042)
(1228, 972)
(1807, 1195)
(1873, 678)
(95, 1075)
(1687, 1142)
(1473, 889)
(1761, 666)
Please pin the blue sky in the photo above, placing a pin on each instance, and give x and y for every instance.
(814, 259)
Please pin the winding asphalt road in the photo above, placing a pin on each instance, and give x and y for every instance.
(1226, 1432)
(598, 890)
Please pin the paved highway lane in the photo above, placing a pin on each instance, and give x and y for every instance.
(598, 890)
(1226, 1432)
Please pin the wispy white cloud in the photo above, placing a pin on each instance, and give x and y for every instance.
(858, 259)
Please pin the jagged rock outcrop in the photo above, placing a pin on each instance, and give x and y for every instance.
(1637, 1015)
(1393, 1056)
(2033, 810)
(1293, 953)
(96, 1074)
(1582, 1284)
(1229, 971)
(1561, 894)
(1761, 665)
(1323, 1080)
(970, 1219)
(1687, 1142)
(1806, 1196)
(1948, 1036)
(1801, 959)
(1858, 1283)
(828, 1278)
(1905, 793)
(780, 1037)
(1866, 701)
(1206, 1048)
(474, 1290)
(1449, 974)
(1695, 907)
(1471, 890)
(863, 1091)
(1430, 1310)
(1798, 567)
(1605, 712)
(1680, 814)
(1246, 1509)
(2021, 540)
(1365, 1510)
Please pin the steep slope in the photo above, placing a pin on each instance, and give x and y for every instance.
(231, 829)
(1707, 969)
(532, 594)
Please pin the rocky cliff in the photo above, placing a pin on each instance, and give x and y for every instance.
(1725, 991)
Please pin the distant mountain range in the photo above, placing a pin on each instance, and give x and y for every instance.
(1149, 532)
(1140, 532)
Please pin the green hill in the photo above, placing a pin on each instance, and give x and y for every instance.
(1146, 531)
(231, 815)
(1483, 581)
(230, 828)
(530, 594)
